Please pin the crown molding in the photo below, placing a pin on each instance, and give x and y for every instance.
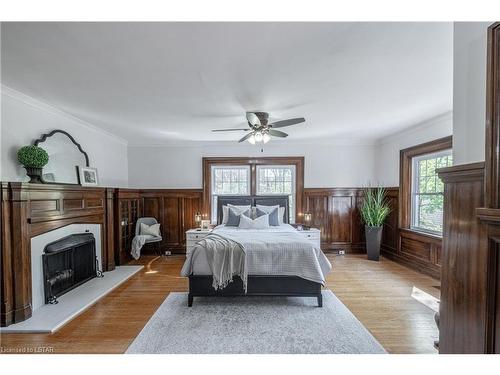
(270, 145)
(429, 123)
(43, 106)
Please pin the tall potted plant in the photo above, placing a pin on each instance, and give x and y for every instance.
(33, 159)
(374, 210)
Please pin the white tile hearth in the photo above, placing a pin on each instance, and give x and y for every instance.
(49, 318)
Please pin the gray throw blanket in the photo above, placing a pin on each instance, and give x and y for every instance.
(226, 258)
(138, 242)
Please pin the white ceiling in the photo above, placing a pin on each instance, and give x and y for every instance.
(164, 83)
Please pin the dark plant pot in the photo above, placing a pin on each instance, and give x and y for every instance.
(35, 174)
(373, 240)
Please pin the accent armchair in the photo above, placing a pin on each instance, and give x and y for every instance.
(155, 240)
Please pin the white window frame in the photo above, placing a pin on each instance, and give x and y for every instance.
(415, 194)
(213, 197)
(293, 201)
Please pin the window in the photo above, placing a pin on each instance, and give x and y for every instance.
(229, 180)
(279, 180)
(253, 176)
(421, 190)
(427, 191)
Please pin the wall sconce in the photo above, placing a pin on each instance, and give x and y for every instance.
(197, 219)
(307, 218)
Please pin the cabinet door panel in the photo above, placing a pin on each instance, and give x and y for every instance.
(317, 206)
(172, 220)
(340, 227)
(190, 207)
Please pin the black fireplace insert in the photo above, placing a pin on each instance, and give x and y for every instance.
(68, 263)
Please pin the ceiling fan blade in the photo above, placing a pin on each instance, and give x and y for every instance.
(283, 123)
(277, 133)
(229, 130)
(253, 119)
(245, 137)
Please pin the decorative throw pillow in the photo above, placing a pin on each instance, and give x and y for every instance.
(233, 218)
(225, 211)
(258, 223)
(268, 209)
(152, 230)
(273, 216)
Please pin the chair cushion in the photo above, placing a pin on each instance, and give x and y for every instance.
(153, 230)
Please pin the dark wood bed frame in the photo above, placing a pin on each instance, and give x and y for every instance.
(257, 285)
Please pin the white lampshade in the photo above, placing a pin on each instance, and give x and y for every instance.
(266, 138)
(258, 137)
(252, 139)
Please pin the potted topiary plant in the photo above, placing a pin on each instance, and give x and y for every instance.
(33, 159)
(374, 210)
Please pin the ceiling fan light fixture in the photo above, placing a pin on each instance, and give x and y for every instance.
(266, 138)
(252, 139)
(258, 137)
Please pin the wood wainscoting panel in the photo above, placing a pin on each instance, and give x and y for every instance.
(335, 211)
(464, 281)
(172, 221)
(174, 209)
(317, 206)
(390, 235)
(341, 208)
(415, 248)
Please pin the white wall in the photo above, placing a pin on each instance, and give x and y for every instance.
(387, 151)
(326, 165)
(469, 91)
(25, 119)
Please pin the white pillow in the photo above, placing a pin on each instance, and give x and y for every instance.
(152, 230)
(269, 209)
(259, 223)
(237, 209)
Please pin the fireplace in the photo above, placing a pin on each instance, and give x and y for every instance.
(68, 263)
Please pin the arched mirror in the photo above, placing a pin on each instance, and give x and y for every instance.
(65, 154)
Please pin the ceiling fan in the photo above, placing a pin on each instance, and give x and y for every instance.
(259, 128)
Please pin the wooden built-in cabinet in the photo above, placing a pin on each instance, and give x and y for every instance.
(127, 210)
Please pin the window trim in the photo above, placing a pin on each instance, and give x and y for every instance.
(298, 161)
(414, 183)
(406, 178)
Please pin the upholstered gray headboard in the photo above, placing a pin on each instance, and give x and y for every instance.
(252, 200)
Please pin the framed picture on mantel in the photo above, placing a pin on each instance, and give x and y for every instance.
(88, 176)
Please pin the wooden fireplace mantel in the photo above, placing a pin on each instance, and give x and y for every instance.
(28, 210)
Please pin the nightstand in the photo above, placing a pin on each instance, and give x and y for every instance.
(193, 236)
(313, 235)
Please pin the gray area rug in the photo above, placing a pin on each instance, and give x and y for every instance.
(252, 325)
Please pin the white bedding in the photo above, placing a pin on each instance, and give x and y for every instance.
(274, 251)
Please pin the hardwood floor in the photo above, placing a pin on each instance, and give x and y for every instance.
(379, 294)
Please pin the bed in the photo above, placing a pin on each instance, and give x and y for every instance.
(279, 261)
